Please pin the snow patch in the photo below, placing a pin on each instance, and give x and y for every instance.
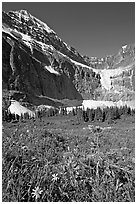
(16, 108)
(46, 27)
(75, 62)
(80, 64)
(8, 31)
(124, 48)
(67, 46)
(44, 107)
(92, 104)
(44, 47)
(130, 104)
(25, 38)
(51, 70)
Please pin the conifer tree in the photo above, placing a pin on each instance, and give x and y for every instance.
(125, 110)
(129, 111)
(65, 111)
(73, 112)
(92, 114)
(106, 110)
(79, 114)
(132, 112)
(88, 113)
(120, 110)
(103, 115)
(85, 116)
(116, 113)
(98, 114)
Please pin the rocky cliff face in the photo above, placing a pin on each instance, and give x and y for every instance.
(117, 73)
(37, 63)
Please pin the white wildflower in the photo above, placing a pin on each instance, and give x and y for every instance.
(24, 148)
(55, 177)
(36, 192)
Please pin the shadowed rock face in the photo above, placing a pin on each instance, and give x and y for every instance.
(24, 72)
(37, 63)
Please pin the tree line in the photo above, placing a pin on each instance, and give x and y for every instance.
(98, 114)
(106, 114)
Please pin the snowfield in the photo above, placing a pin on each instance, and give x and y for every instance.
(16, 108)
(91, 104)
(45, 107)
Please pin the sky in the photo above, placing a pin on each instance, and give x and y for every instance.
(92, 28)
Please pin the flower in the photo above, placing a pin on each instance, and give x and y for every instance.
(24, 147)
(10, 182)
(36, 192)
(55, 178)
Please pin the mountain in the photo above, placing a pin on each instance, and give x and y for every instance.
(124, 57)
(117, 74)
(38, 67)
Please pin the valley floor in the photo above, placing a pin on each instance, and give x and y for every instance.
(74, 152)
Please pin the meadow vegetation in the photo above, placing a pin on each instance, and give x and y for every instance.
(65, 158)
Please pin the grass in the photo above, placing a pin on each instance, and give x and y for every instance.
(63, 159)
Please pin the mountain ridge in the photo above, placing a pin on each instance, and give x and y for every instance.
(41, 30)
(53, 68)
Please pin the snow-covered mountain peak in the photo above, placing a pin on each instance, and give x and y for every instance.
(124, 47)
(21, 23)
(24, 16)
(22, 13)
